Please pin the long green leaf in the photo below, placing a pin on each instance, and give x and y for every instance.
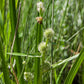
(74, 68)
(61, 62)
(1, 25)
(1, 74)
(64, 61)
(17, 42)
(4, 65)
(1, 20)
(22, 54)
(59, 76)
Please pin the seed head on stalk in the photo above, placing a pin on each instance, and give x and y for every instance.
(48, 33)
(40, 6)
(28, 75)
(42, 47)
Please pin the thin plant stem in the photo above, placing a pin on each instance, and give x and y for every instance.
(4, 66)
(14, 42)
(59, 76)
(51, 74)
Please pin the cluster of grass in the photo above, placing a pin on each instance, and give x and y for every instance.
(22, 29)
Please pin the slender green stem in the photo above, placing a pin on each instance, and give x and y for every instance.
(4, 66)
(17, 42)
(38, 78)
(51, 74)
(55, 75)
(83, 64)
(59, 76)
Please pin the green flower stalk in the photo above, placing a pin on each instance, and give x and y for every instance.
(39, 34)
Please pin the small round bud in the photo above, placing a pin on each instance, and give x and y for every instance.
(42, 47)
(39, 20)
(48, 33)
(23, 62)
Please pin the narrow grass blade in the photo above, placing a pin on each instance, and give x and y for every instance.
(13, 20)
(4, 65)
(61, 62)
(23, 55)
(1, 20)
(1, 25)
(64, 61)
(74, 69)
(59, 76)
(1, 74)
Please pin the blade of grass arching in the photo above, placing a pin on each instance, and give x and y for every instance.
(74, 69)
(60, 73)
(53, 65)
(4, 65)
(13, 20)
(64, 61)
(82, 29)
(61, 62)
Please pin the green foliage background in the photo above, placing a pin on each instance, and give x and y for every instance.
(68, 37)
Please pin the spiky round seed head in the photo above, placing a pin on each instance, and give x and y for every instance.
(42, 47)
(40, 6)
(28, 75)
(48, 33)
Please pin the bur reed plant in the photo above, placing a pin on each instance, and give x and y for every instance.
(41, 57)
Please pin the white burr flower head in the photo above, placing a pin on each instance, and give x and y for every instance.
(42, 47)
(25, 75)
(23, 62)
(28, 75)
(48, 33)
(40, 6)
